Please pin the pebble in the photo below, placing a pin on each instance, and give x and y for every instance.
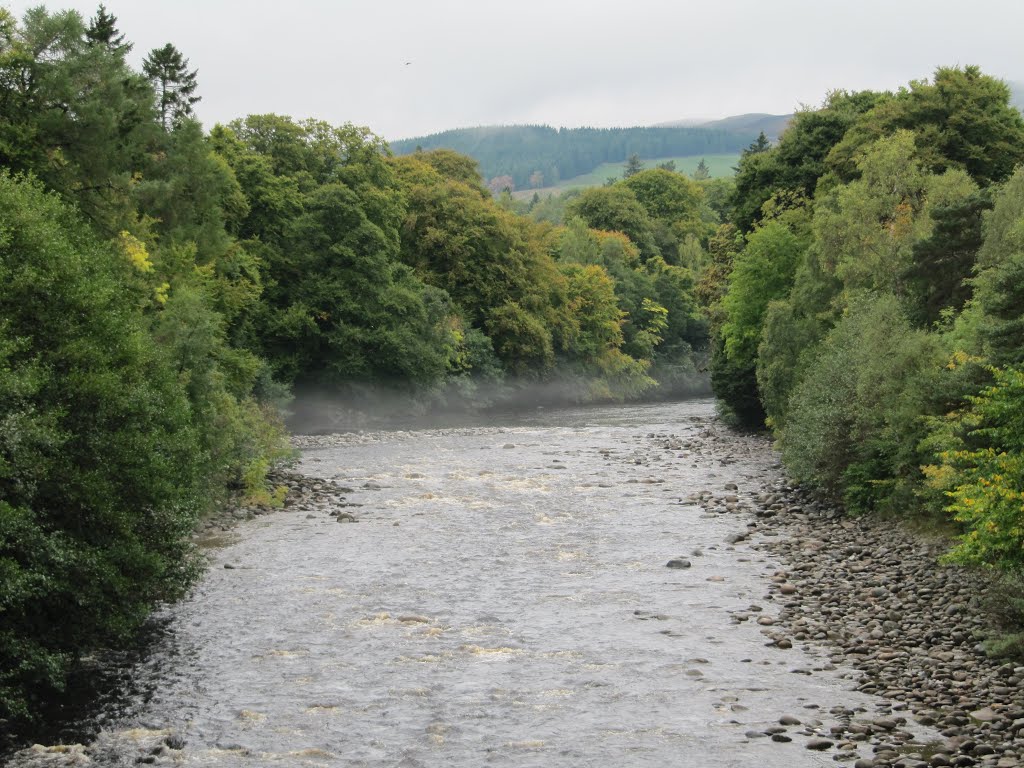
(875, 597)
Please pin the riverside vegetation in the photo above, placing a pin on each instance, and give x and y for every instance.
(163, 289)
(871, 305)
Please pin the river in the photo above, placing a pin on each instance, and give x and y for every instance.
(502, 600)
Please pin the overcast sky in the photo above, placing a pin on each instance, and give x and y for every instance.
(411, 67)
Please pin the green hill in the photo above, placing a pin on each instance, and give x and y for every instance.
(539, 156)
(755, 122)
(719, 166)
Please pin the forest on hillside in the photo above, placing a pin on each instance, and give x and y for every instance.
(536, 156)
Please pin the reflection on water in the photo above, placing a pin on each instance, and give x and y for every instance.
(503, 600)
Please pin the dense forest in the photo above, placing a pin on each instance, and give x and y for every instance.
(871, 308)
(535, 156)
(165, 290)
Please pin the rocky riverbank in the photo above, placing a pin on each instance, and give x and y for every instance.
(873, 596)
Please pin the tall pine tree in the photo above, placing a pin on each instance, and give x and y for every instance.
(175, 86)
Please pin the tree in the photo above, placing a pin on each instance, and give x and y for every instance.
(702, 172)
(761, 144)
(674, 204)
(73, 114)
(103, 31)
(101, 472)
(798, 160)
(962, 119)
(994, 320)
(175, 86)
(633, 166)
(500, 184)
(854, 424)
(616, 209)
(938, 279)
(762, 272)
(866, 231)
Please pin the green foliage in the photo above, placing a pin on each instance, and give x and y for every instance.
(981, 470)
(633, 166)
(324, 212)
(961, 119)
(175, 86)
(854, 420)
(617, 209)
(938, 277)
(101, 469)
(87, 153)
(103, 31)
(798, 160)
(761, 273)
(788, 337)
(674, 204)
(996, 317)
(127, 398)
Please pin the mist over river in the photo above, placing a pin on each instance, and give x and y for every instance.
(502, 599)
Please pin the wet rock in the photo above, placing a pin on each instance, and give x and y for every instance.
(819, 743)
(175, 741)
(677, 562)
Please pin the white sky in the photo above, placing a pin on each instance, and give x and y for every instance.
(560, 62)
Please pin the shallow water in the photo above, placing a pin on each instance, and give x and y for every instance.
(503, 600)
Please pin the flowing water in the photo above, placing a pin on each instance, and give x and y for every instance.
(502, 600)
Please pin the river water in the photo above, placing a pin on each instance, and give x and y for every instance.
(503, 600)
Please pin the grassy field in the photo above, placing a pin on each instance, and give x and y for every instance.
(718, 166)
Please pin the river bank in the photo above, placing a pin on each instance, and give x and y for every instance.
(510, 574)
(873, 594)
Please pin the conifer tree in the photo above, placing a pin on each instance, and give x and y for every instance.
(168, 71)
(102, 30)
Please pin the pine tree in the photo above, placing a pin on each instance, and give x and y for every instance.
(103, 31)
(761, 145)
(168, 71)
(702, 172)
(633, 166)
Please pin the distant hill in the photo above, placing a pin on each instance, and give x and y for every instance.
(755, 122)
(541, 156)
